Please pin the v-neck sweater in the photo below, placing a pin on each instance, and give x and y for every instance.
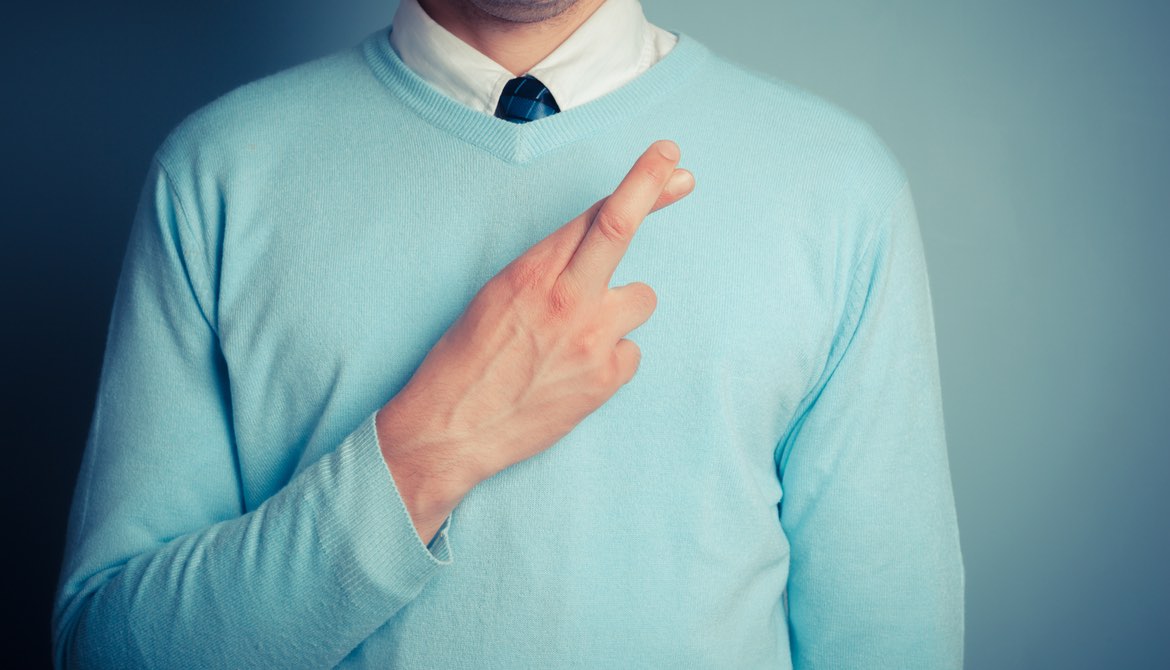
(521, 142)
(771, 489)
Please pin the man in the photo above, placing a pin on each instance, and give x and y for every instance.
(369, 401)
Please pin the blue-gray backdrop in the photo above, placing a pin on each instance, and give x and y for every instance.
(1036, 136)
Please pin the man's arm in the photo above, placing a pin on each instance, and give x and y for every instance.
(876, 571)
(162, 566)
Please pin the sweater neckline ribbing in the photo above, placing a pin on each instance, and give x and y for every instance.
(521, 142)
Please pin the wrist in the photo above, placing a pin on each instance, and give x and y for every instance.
(426, 469)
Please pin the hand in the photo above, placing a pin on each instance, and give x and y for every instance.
(539, 348)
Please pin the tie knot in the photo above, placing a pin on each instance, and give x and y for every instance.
(525, 99)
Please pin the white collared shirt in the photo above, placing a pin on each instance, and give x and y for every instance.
(614, 45)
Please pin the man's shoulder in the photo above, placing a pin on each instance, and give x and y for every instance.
(831, 143)
(264, 112)
(792, 111)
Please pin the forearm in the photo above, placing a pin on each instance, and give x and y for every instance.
(298, 582)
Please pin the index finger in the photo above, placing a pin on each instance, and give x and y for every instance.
(620, 215)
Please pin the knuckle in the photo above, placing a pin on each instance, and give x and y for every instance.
(646, 298)
(561, 301)
(613, 225)
(627, 367)
(656, 173)
(584, 346)
(525, 275)
(607, 375)
(636, 350)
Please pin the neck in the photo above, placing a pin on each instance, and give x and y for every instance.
(515, 45)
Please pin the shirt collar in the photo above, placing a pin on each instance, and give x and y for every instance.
(607, 50)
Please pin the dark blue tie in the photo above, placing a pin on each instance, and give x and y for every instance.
(525, 99)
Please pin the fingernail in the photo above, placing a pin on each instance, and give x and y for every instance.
(668, 149)
(679, 181)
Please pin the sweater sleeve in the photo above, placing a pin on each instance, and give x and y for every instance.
(163, 567)
(877, 578)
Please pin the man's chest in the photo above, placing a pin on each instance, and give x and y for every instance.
(331, 296)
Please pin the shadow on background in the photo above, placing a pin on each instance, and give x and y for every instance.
(89, 93)
(1035, 136)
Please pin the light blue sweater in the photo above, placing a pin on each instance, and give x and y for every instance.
(771, 490)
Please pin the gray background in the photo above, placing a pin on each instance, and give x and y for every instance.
(1035, 135)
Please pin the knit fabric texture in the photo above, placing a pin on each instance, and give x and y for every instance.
(770, 490)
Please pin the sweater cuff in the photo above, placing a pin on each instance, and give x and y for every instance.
(385, 549)
(438, 545)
